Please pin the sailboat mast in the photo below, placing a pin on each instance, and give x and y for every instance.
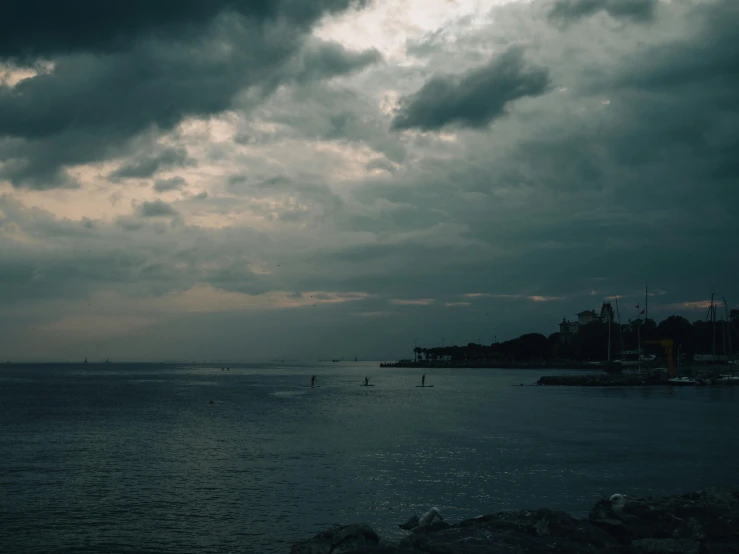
(646, 301)
(638, 337)
(620, 330)
(610, 322)
(713, 318)
(728, 327)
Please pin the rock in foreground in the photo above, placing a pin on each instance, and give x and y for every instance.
(704, 522)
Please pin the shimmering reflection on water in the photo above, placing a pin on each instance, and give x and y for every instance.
(135, 458)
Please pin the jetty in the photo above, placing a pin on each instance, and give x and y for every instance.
(601, 380)
(652, 378)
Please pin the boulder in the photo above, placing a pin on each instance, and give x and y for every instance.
(722, 548)
(708, 516)
(486, 540)
(411, 523)
(664, 546)
(515, 532)
(339, 540)
(382, 550)
(544, 523)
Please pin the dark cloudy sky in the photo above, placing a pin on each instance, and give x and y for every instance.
(255, 179)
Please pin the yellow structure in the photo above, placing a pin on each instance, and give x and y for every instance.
(667, 345)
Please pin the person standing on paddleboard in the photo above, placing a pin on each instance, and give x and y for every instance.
(423, 381)
(312, 381)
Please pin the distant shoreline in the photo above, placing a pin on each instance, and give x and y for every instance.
(491, 364)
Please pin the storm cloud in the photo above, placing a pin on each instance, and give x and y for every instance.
(473, 99)
(47, 28)
(635, 10)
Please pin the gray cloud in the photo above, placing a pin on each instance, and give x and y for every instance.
(635, 10)
(473, 99)
(322, 60)
(146, 165)
(173, 183)
(299, 201)
(380, 163)
(157, 209)
(327, 111)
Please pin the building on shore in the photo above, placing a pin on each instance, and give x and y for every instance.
(588, 316)
(567, 328)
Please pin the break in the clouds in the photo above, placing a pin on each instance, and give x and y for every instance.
(636, 10)
(475, 98)
(230, 180)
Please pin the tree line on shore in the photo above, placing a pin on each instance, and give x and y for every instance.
(591, 342)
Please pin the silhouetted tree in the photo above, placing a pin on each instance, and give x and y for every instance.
(678, 329)
(591, 341)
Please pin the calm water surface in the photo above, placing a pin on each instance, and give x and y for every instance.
(135, 458)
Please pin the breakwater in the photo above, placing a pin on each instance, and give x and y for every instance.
(601, 380)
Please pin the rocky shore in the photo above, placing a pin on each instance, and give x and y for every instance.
(704, 522)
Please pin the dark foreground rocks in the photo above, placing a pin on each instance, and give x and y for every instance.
(704, 522)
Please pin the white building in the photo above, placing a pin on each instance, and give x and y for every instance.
(568, 328)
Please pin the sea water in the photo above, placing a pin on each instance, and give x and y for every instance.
(136, 457)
